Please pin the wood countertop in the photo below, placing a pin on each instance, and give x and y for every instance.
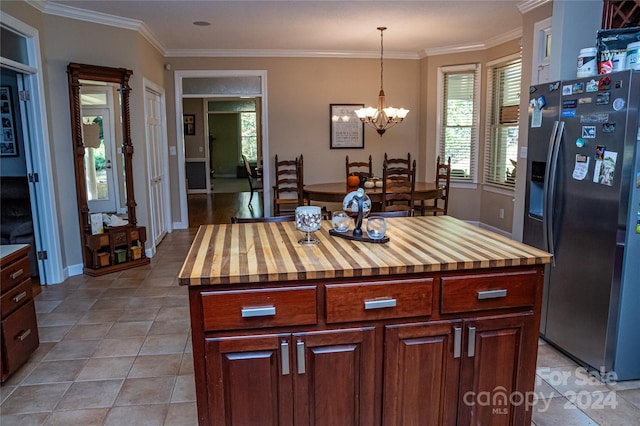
(263, 252)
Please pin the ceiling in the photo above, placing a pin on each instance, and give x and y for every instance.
(307, 28)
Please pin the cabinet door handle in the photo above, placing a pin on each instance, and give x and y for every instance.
(24, 335)
(17, 273)
(300, 351)
(471, 348)
(264, 311)
(492, 294)
(19, 297)
(284, 353)
(380, 303)
(457, 341)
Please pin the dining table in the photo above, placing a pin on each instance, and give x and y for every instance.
(336, 191)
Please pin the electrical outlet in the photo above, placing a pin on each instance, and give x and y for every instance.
(501, 213)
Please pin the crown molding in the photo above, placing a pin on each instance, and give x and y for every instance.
(283, 53)
(529, 5)
(492, 42)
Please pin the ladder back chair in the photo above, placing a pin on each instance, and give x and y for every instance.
(398, 188)
(398, 163)
(356, 168)
(443, 180)
(287, 191)
(255, 183)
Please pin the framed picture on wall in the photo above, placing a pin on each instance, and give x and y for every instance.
(189, 121)
(8, 142)
(347, 131)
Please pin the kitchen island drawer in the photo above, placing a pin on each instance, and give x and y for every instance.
(378, 300)
(14, 273)
(259, 308)
(16, 297)
(470, 293)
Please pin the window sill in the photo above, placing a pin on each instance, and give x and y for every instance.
(498, 189)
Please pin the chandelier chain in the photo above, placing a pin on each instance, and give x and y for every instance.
(381, 56)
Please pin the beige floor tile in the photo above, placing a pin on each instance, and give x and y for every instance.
(101, 316)
(114, 293)
(54, 333)
(147, 313)
(59, 318)
(129, 329)
(91, 417)
(156, 366)
(140, 415)
(186, 366)
(106, 368)
(559, 412)
(631, 395)
(184, 389)
(571, 380)
(55, 372)
(549, 357)
(144, 302)
(152, 390)
(46, 306)
(624, 385)
(608, 408)
(182, 414)
(164, 344)
(152, 292)
(173, 313)
(5, 391)
(34, 399)
(74, 305)
(93, 394)
(170, 327)
(72, 349)
(110, 304)
(88, 331)
(129, 346)
(35, 419)
(125, 283)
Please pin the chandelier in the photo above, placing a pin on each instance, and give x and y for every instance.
(381, 118)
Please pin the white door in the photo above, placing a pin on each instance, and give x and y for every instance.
(153, 107)
(99, 157)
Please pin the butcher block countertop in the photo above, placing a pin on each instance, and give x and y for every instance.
(263, 252)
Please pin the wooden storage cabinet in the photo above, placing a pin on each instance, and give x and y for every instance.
(112, 250)
(334, 358)
(19, 324)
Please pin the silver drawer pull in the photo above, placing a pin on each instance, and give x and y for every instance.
(17, 273)
(379, 304)
(300, 352)
(19, 297)
(264, 311)
(457, 341)
(492, 294)
(284, 353)
(24, 335)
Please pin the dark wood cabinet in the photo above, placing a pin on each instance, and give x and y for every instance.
(115, 249)
(418, 349)
(19, 324)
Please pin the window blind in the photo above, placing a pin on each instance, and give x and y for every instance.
(459, 125)
(501, 149)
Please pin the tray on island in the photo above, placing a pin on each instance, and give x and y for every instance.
(348, 236)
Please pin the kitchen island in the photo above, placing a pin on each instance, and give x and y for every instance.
(437, 326)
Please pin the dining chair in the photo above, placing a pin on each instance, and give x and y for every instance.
(398, 163)
(255, 183)
(356, 167)
(283, 218)
(443, 180)
(398, 188)
(396, 213)
(287, 192)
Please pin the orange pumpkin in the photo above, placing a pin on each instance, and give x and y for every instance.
(353, 180)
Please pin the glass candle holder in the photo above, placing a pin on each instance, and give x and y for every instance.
(376, 227)
(341, 221)
(308, 219)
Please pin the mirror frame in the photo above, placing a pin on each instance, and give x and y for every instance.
(120, 76)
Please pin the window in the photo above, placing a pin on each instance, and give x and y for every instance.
(248, 129)
(501, 148)
(458, 95)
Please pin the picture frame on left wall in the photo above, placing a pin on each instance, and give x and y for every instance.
(8, 141)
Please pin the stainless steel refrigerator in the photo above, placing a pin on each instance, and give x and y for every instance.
(583, 206)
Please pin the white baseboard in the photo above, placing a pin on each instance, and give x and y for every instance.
(491, 228)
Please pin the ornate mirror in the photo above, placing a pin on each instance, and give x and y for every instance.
(101, 133)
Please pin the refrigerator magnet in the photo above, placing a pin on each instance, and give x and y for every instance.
(581, 167)
(567, 90)
(618, 104)
(568, 113)
(603, 98)
(580, 143)
(592, 86)
(608, 127)
(605, 169)
(600, 150)
(589, 132)
(578, 88)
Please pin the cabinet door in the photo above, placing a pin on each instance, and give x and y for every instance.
(335, 377)
(498, 368)
(421, 373)
(249, 380)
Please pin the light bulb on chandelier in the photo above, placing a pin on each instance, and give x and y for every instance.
(382, 117)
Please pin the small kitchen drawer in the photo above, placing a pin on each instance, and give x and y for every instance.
(379, 300)
(16, 297)
(14, 273)
(484, 292)
(20, 337)
(259, 308)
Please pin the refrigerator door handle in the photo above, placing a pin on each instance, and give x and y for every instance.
(547, 178)
(552, 192)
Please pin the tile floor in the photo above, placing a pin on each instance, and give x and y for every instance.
(116, 350)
